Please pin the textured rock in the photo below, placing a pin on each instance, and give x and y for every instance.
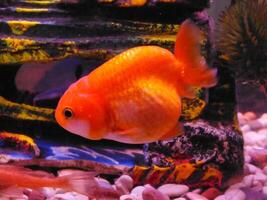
(211, 193)
(201, 142)
(173, 190)
(235, 194)
(34, 195)
(194, 196)
(69, 196)
(151, 193)
(128, 197)
(138, 192)
(221, 197)
(124, 184)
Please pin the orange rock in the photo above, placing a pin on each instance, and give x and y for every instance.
(211, 193)
(250, 116)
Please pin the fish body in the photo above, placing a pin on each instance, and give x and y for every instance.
(136, 96)
(15, 176)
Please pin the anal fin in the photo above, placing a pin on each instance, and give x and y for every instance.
(176, 131)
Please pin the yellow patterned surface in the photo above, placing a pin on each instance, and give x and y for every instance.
(25, 112)
(19, 27)
(31, 10)
(22, 142)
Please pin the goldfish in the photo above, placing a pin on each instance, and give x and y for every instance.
(21, 177)
(14, 178)
(135, 97)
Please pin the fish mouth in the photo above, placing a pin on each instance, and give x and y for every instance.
(78, 127)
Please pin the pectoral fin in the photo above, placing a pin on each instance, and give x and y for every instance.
(176, 131)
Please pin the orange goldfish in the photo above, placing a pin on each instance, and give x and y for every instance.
(11, 176)
(136, 96)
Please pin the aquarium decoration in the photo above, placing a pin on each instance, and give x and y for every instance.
(242, 39)
(67, 37)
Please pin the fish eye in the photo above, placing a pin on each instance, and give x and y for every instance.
(68, 113)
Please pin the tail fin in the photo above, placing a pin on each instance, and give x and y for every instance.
(195, 72)
(85, 183)
(81, 182)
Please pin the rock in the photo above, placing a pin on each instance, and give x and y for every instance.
(264, 190)
(151, 193)
(248, 180)
(106, 190)
(124, 184)
(195, 196)
(245, 128)
(252, 138)
(257, 124)
(237, 185)
(253, 195)
(138, 191)
(252, 168)
(249, 116)
(260, 177)
(247, 158)
(224, 149)
(262, 131)
(34, 195)
(265, 170)
(173, 190)
(221, 197)
(49, 192)
(128, 197)
(235, 194)
(264, 116)
(211, 193)
(259, 155)
(69, 196)
(198, 190)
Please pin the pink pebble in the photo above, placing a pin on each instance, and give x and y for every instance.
(151, 193)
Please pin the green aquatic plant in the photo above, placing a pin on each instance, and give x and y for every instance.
(242, 40)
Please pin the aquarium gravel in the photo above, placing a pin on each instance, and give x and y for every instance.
(252, 185)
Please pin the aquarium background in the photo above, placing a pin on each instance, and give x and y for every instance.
(46, 47)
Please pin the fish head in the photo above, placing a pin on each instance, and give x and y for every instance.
(81, 112)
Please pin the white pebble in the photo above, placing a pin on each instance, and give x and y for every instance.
(235, 194)
(262, 131)
(247, 158)
(69, 196)
(252, 138)
(49, 192)
(124, 184)
(237, 186)
(264, 190)
(263, 122)
(195, 196)
(245, 128)
(263, 116)
(248, 180)
(260, 177)
(198, 190)
(65, 172)
(265, 170)
(249, 116)
(221, 197)
(173, 190)
(128, 197)
(150, 193)
(138, 191)
(252, 168)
